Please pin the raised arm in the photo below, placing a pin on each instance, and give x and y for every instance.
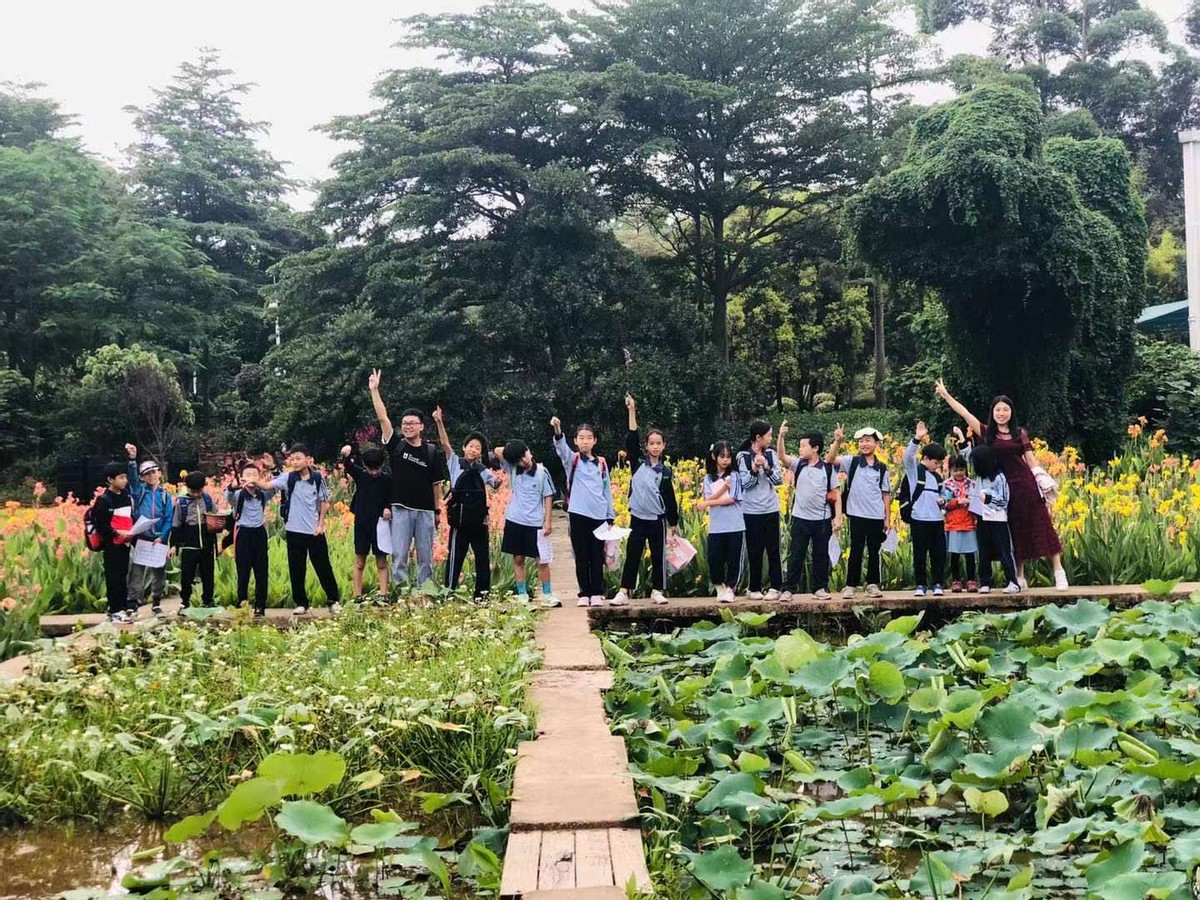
(443, 437)
(633, 440)
(831, 455)
(561, 448)
(381, 413)
(781, 444)
(970, 417)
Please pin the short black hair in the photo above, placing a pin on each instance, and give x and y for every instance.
(514, 452)
(298, 448)
(476, 436)
(113, 470)
(413, 411)
(957, 461)
(195, 481)
(933, 451)
(248, 464)
(815, 439)
(372, 458)
(985, 461)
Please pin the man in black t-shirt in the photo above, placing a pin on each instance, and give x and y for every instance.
(418, 470)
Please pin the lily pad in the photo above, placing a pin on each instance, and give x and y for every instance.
(313, 823)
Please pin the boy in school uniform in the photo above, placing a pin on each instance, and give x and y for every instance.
(527, 524)
(928, 525)
(308, 504)
(816, 513)
(590, 505)
(761, 473)
(467, 508)
(153, 501)
(867, 502)
(372, 501)
(196, 544)
(249, 502)
(115, 541)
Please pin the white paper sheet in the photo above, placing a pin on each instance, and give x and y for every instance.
(149, 554)
(141, 526)
(608, 532)
(383, 536)
(835, 550)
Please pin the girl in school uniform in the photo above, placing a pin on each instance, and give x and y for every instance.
(726, 527)
(589, 505)
(527, 523)
(990, 501)
(653, 510)
(761, 473)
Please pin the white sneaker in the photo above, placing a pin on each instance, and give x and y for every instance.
(582, 601)
(985, 589)
(656, 597)
(754, 595)
(120, 618)
(622, 599)
(597, 600)
(874, 591)
(1060, 580)
(920, 591)
(822, 594)
(724, 594)
(549, 601)
(848, 593)
(299, 610)
(1013, 588)
(771, 595)
(786, 597)
(335, 608)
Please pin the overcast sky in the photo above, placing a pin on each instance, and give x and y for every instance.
(309, 62)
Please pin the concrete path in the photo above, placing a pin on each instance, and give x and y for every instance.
(575, 825)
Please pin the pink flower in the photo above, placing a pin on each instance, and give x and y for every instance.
(8, 604)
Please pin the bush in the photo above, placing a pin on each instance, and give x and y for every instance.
(1165, 389)
(824, 403)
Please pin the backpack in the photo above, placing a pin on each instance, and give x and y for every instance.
(92, 539)
(908, 497)
(855, 465)
(285, 496)
(467, 504)
(241, 501)
(830, 490)
(600, 460)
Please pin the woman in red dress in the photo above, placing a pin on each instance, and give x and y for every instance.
(1028, 512)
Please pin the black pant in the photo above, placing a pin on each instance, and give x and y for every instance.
(116, 577)
(865, 534)
(959, 561)
(762, 536)
(300, 548)
(193, 561)
(995, 543)
(250, 556)
(589, 555)
(806, 532)
(641, 533)
(725, 558)
(475, 539)
(929, 544)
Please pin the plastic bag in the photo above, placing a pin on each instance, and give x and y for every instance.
(680, 554)
(835, 550)
(612, 555)
(891, 542)
(383, 536)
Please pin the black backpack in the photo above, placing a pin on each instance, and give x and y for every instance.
(467, 504)
(285, 496)
(855, 464)
(908, 497)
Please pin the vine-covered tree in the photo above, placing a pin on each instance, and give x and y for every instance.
(1036, 250)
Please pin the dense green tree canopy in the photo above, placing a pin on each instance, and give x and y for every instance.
(1037, 251)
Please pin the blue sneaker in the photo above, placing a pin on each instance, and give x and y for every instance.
(920, 591)
(937, 590)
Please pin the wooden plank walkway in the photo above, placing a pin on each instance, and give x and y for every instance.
(683, 611)
(575, 825)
